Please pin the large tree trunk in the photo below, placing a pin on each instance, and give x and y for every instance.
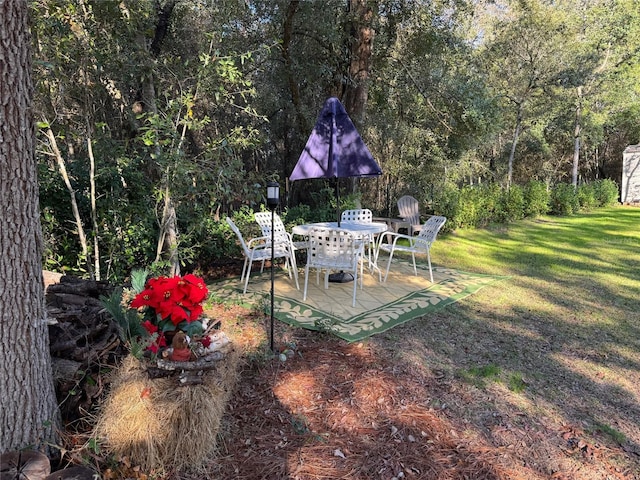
(514, 144)
(168, 237)
(576, 139)
(292, 81)
(29, 413)
(361, 38)
(361, 42)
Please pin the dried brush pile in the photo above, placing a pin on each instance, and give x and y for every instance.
(159, 425)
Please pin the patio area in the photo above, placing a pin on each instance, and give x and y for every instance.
(379, 306)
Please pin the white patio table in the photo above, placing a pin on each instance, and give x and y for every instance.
(373, 228)
(359, 229)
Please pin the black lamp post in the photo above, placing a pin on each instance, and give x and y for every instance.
(273, 199)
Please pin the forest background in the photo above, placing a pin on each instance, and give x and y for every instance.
(156, 119)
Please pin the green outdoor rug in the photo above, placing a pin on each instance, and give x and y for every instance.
(379, 306)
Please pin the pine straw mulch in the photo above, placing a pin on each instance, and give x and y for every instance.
(335, 410)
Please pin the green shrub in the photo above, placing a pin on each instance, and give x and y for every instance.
(476, 206)
(473, 206)
(446, 203)
(488, 200)
(511, 205)
(606, 192)
(587, 196)
(219, 242)
(322, 206)
(468, 206)
(536, 199)
(564, 199)
(296, 215)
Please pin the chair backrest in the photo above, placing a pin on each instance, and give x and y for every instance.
(409, 209)
(279, 231)
(333, 247)
(236, 230)
(360, 215)
(429, 231)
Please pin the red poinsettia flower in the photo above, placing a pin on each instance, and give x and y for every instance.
(177, 313)
(144, 298)
(195, 312)
(198, 290)
(150, 327)
(169, 289)
(171, 299)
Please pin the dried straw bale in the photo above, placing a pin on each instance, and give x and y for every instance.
(158, 424)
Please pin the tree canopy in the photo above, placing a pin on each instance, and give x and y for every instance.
(156, 118)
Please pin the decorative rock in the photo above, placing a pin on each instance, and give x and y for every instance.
(24, 465)
(73, 473)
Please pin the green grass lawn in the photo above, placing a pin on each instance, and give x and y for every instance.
(560, 338)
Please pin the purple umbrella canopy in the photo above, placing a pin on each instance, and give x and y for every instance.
(334, 148)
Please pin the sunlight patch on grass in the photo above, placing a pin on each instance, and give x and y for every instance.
(616, 435)
(559, 243)
(516, 383)
(628, 354)
(598, 371)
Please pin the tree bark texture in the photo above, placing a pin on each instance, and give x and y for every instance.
(361, 37)
(576, 139)
(357, 87)
(168, 236)
(29, 413)
(292, 81)
(514, 143)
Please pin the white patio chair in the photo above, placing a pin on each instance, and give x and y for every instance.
(417, 244)
(361, 215)
(409, 210)
(279, 231)
(333, 249)
(259, 249)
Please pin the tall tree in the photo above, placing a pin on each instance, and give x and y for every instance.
(606, 45)
(29, 414)
(361, 44)
(133, 85)
(524, 59)
(428, 105)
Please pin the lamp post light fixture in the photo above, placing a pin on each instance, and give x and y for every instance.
(273, 195)
(273, 199)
